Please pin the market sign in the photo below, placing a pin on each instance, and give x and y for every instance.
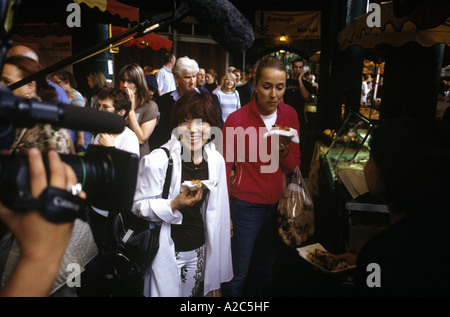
(296, 25)
(50, 48)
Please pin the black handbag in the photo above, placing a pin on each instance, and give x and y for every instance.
(131, 245)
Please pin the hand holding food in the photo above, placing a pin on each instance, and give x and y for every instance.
(197, 184)
(285, 131)
(325, 261)
(284, 146)
(186, 198)
(285, 128)
(193, 185)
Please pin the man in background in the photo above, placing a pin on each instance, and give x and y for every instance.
(164, 76)
(297, 92)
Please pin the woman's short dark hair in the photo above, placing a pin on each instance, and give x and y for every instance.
(65, 75)
(121, 100)
(196, 105)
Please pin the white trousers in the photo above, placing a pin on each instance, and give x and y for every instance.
(191, 266)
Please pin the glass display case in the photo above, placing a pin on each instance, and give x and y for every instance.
(349, 153)
(343, 164)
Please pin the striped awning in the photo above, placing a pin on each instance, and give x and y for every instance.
(152, 40)
(113, 7)
(394, 31)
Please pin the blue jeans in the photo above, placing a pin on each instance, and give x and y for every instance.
(253, 248)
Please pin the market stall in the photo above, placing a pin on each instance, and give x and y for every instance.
(413, 47)
(337, 174)
(412, 44)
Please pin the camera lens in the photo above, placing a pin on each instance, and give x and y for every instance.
(108, 176)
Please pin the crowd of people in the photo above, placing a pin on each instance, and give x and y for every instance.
(168, 108)
(220, 238)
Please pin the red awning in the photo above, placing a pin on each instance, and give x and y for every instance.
(152, 40)
(101, 11)
(114, 7)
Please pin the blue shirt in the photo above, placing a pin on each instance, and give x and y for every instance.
(60, 93)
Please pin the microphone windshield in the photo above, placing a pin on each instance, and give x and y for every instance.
(226, 25)
(92, 120)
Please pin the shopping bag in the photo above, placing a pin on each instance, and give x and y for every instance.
(295, 212)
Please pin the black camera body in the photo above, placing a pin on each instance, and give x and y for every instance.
(107, 175)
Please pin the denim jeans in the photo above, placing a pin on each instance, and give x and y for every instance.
(253, 248)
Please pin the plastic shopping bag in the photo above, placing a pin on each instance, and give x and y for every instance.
(296, 212)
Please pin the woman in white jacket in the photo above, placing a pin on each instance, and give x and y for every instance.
(194, 255)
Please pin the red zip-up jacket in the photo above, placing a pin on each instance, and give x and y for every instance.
(243, 144)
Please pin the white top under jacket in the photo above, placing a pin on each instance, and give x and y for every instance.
(163, 280)
(125, 141)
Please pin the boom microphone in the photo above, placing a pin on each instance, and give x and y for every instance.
(226, 25)
(92, 120)
(27, 112)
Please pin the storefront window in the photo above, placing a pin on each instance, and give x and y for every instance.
(372, 88)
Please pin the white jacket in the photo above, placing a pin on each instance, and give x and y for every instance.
(164, 273)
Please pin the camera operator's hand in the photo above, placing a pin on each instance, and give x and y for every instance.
(42, 243)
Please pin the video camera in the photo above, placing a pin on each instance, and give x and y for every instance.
(108, 175)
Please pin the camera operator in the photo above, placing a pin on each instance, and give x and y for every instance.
(81, 248)
(42, 242)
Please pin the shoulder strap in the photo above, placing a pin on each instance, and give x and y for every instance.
(237, 99)
(166, 188)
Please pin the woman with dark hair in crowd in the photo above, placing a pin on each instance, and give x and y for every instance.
(194, 255)
(211, 80)
(238, 74)
(40, 135)
(152, 85)
(144, 112)
(96, 81)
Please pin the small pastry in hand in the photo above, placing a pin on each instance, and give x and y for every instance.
(197, 184)
(281, 128)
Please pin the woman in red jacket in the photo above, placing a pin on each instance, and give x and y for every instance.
(259, 164)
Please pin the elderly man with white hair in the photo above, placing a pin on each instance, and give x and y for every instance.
(185, 74)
